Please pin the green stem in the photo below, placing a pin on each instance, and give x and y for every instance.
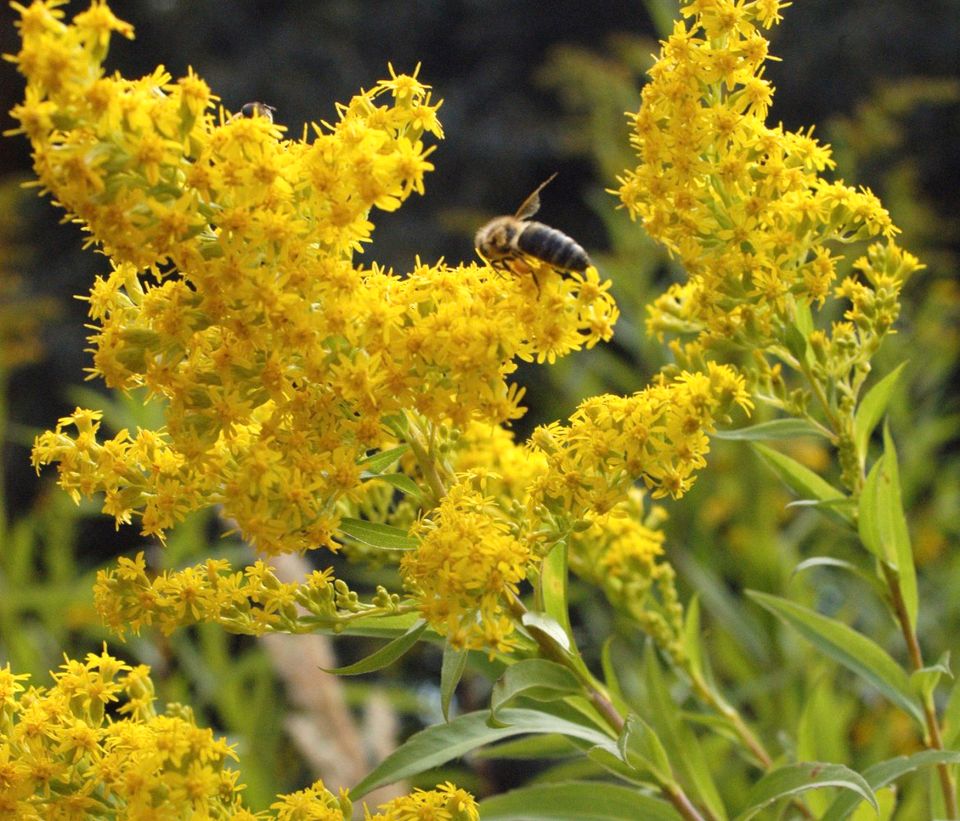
(934, 738)
(593, 689)
(600, 698)
(676, 796)
(424, 454)
(716, 702)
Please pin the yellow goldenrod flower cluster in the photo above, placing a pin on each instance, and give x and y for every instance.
(93, 746)
(621, 553)
(445, 803)
(235, 299)
(251, 602)
(658, 436)
(742, 204)
(316, 803)
(468, 562)
(490, 455)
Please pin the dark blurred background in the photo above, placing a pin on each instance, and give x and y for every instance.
(529, 88)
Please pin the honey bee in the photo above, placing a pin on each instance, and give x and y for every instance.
(251, 110)
(508, 239)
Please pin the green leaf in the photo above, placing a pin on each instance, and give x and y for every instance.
(776, 429)
(868, 518)
(375, 627)
(376, 534)
(879, 775)
(609, 667)
(612, 763)
(801, 480)
(553, 587)
(796, 343)
(794, 779)
(576, 801)
(381, 461)
(845, 506)
(822, 733)
(642, 750)
(385, 655)
(538, 679)
(894, 526)
(692, 633)
(883, 527)
(441, 743)
(871, 410)
(925, 680)
(451, 670)
(548, 626)
(844, 645)
(681, 745)
(803, 317)
(951, 717)
(531, 747)
(399, 480)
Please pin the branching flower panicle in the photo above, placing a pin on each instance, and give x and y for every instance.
(749, 210)
(234, 296)
(657, 436)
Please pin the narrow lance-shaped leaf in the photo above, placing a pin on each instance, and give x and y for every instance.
(871, 409)
(775, 429)
(553, 586)
(925, 680)
(547, 625)
(451, 670)
(400, 481)
(883, 527)
(537, 679)
(793, 779)
(642, 750)
(376, 534)
(385, 655)
(896, 521)
(886, 772)
(379, 462)
(870, 579)
(440, 743)
(692, 633)
(846, 646)
(803, 481)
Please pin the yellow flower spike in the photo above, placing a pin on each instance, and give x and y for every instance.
(445, 803)
(465, 567)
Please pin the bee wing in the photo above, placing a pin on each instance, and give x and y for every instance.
(531, 204)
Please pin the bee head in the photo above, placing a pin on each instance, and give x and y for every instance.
(495, 239)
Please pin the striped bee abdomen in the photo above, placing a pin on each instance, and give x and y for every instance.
(552, 246)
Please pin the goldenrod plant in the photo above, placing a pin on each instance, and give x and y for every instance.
(325, 405)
